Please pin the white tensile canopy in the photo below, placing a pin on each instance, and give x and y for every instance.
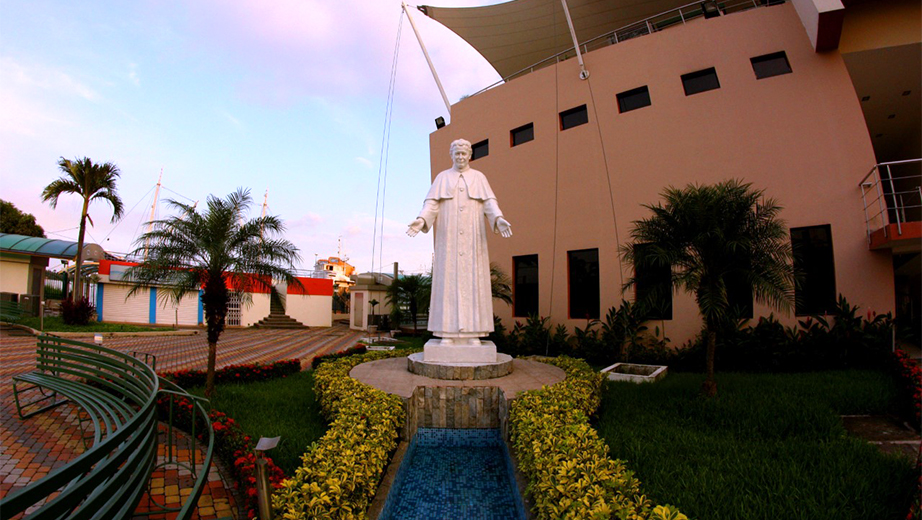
(515, 35)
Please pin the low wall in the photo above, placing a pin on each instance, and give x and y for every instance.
(455, 407)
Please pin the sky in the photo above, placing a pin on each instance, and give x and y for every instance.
(288, 96)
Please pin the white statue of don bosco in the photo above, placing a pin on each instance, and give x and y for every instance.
(461, 308)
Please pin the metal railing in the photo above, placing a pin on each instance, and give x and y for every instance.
(892, 194)
(655, 23)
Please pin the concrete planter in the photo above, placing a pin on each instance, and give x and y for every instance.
(635, 373)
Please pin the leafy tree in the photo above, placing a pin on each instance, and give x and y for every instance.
(500, 284)
(91, 182)
(14, 221)
(413, 292)
(218, 251)
(709, 235)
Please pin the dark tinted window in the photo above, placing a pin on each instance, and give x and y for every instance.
(583, 272)
(700, 81)
(770, 65)
(653, 287)
(525, 289)
(481, 149)
(523, 134)
(814, 270)
(634, 99)
(574, 117)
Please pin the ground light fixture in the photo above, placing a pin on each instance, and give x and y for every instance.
(439, 122)
(263, 489)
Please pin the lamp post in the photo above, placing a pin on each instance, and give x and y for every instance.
(263, 488)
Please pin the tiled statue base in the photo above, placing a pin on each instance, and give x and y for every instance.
(417, 364)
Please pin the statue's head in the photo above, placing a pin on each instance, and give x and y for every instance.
(460, 153)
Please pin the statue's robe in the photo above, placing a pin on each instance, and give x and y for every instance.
(462, 303)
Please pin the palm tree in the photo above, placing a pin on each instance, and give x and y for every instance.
(412, 291)
(708, 235)
(500, 284)
(218, 251)
(92, 182)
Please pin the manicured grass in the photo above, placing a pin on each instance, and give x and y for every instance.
(283, 407)
(56, 324)
(770, 446)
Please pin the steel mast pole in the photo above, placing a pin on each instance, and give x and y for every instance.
(428, 60)
(583, 73)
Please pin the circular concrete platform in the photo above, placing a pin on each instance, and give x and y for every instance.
(417, 364)
(391, 376)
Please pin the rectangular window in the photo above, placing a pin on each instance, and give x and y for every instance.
(481, 149)
(574, 117)
(769, 65)
(583, 275)
(701, 81)
(814, 270)
(525, 288)
(653, 285)
(522, 134)
(633, 99)
(739, 297)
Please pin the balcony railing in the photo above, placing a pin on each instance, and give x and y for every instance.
(655, 23)
(892, 198)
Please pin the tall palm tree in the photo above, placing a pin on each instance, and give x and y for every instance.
(709, 235)
(412, 291)
(500, 284)
(91, 182)
(218, 252)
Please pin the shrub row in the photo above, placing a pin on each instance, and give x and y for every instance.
(232, 446)
(235, 373)
(568, 468)
(341, 471)
(358, 349)
(908, 377)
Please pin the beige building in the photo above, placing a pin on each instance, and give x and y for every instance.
(803, 99)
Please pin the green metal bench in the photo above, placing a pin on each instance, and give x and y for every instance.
(117, 395)
(10, 311)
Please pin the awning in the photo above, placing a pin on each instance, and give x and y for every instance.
(516, 35)
(47, 247)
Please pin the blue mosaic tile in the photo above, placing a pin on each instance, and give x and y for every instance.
(455, 474)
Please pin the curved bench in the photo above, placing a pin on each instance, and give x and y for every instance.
(118, 394)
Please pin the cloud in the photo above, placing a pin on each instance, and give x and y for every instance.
(364, 162)
(44, 78)
(231, 119)
(133, 74)
(299, 48)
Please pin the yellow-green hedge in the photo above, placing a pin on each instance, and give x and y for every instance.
(568, 468)
(340, 472)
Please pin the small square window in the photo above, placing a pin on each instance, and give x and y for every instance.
(522, 134)
(574, 117)
(481, 149)
(634, 99)
(769, 65)
(701, 81)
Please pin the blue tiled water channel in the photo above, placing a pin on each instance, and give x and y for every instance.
(455, 474)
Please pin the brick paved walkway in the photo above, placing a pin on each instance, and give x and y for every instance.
(30, 448)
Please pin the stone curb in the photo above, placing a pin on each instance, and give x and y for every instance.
(34, 332)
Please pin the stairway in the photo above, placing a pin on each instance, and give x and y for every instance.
(277, 319)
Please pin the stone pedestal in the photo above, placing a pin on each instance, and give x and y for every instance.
(436, 352)
(501, 365)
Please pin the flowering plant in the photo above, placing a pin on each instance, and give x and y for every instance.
(235, 373)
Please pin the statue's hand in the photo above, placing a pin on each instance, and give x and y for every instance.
(504, 227)
(415, 227)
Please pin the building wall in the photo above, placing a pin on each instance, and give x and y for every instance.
(313, 311)
(801, 137)
(257, 310)
(186, 313)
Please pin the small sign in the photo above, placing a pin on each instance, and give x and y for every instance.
(97, 339)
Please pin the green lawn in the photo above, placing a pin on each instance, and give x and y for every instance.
(283, 407)
(56, 324)
(771, 446)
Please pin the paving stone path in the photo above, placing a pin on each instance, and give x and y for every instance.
(30, 448)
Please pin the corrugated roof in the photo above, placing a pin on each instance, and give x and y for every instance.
(49, 247)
